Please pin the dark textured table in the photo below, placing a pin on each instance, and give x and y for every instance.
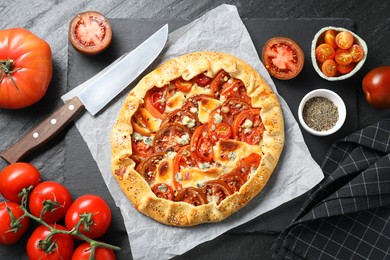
(50, 19)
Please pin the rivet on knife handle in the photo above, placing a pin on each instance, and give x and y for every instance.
(44, 132)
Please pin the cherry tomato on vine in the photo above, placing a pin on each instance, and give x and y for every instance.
(94, 211)
(11, 226)
(59, 246)
(26, 68)
(52, 197)
(15, 177)
(84, 250)
(283, 58)
(376, 87)
(90, 32)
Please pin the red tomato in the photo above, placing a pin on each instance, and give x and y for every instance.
(182, 85)
(98, 210)
(233, 180)
(60, 246)
(90, 33)
(344, 69)
(324, 52)
(248, 126)
(216, 191)
(330, 37)
(201, 146)
(183, 117)
(217, 82)
(170, 137)
(141, 122)
(155, 101)
(344, 40)
(329, 68)
(84, 250)
(235, 89)
(148, 167)
(163, 190)
(357, 52)
(192, 196)
(202, 80)
(343, 57)
(183, 159)
(233, 107)
(11, 229)
(376, 87)
(15, 177)
(283, 58)
(139, 147)
(52, 197)
(217, 128)
(247, 164)
(26, 68)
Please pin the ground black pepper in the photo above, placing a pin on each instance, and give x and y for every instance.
(320, 113)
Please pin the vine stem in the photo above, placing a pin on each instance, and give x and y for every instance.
(74, 231)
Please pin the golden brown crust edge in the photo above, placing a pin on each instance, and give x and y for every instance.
(180, 213)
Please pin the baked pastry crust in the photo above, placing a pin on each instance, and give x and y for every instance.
(178, 213)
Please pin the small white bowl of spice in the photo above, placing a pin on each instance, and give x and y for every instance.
(322, 112)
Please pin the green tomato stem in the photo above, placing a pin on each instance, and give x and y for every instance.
(74, 232)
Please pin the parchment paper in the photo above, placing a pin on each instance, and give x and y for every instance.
(221, 29)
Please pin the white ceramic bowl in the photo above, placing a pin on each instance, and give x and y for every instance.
(336, 99)
(318, 40)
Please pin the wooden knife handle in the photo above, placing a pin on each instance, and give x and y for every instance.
(44, 132)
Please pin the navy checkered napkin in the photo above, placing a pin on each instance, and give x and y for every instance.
(346, 216)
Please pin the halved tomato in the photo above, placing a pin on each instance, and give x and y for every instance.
(235, 89)
(324, 52)
(330, 37)
(357, 52)
(344, 40)
(90, 32)
(192, 196)
(283, 58)
(183, 159)
(248, 126)
(329, 68)
(344, 69)
(216, 191)
(343, 57)
(171, 137)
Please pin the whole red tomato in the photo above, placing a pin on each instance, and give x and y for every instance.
(26, 68)
(84, 250)
(59, 246)
(376, 87)
(12, 229)
(52, 197)
(96, 213)
(15, 177)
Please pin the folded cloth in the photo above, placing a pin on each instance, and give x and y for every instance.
(347, 215)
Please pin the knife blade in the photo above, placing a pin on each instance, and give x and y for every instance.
(97, 92)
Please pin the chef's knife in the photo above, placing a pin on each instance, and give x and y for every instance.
(96, 93)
